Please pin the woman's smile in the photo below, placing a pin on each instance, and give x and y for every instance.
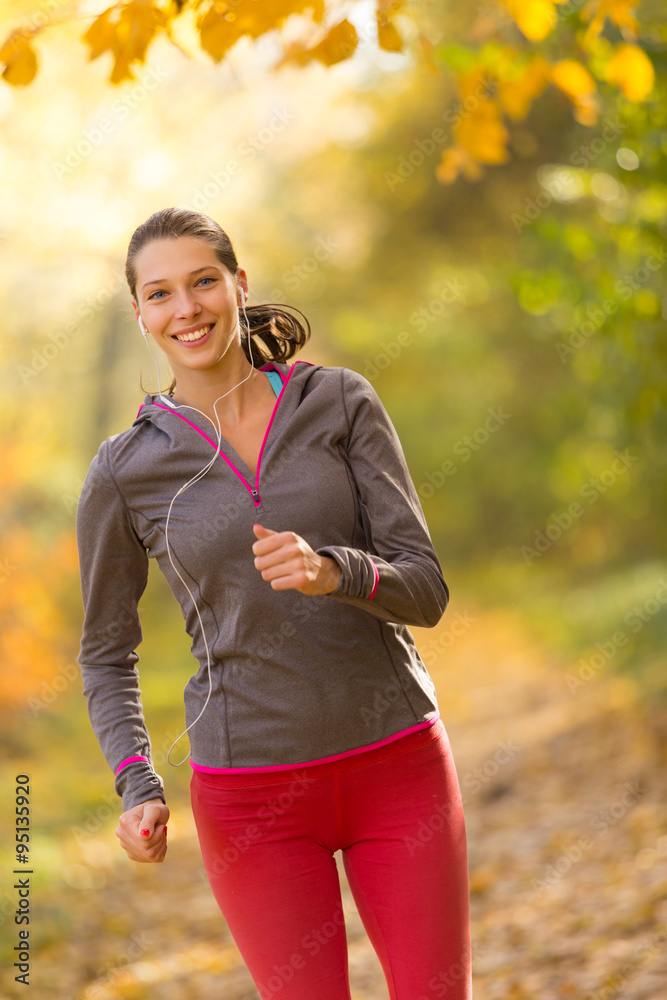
(194, 339)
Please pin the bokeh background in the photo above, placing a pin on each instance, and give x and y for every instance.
(469, 203)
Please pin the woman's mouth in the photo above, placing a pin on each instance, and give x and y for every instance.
(198, 337)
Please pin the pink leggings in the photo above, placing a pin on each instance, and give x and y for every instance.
(395, 812)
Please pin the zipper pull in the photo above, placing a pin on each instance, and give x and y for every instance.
(255, 493)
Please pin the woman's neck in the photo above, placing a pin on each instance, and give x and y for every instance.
(235, 383)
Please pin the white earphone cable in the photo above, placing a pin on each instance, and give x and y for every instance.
(199, 475)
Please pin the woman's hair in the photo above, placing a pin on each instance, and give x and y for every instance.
(281, 335)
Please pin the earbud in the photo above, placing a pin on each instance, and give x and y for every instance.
(141, 324)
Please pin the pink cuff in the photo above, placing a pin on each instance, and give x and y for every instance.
(129, 760)
(375, 585)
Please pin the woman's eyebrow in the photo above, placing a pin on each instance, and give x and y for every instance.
(157, 281)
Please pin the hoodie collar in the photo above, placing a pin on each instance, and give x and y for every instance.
(156, 407)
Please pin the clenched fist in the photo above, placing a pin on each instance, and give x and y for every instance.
(287, 561)
(142, 831)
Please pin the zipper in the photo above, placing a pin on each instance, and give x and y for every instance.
(254, 493)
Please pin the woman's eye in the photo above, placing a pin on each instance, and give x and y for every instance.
(205, 278)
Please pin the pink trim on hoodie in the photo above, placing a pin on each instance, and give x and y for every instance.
(275, 408)
(210, 441)
(129, 760)
(222, 454)
(320, 760)
(377, 580)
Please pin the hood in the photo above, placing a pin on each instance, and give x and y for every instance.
(295, 376)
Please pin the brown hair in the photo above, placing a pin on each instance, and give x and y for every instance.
(281, 335)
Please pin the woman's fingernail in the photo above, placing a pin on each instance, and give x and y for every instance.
(165, 829)
(145, 833)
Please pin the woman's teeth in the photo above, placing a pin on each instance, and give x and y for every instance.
(197, 335)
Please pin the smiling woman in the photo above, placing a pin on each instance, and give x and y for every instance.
(319, 699)
(177, 302)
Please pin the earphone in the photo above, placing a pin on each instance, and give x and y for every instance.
(191, 482)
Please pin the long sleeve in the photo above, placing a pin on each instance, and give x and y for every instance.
(114, 572)
(399, 579)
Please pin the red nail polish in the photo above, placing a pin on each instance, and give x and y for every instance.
(165, 829)
(145, 833)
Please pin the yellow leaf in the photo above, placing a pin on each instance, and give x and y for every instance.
(631, 69)
(618, 11)
(427, 47)
(455, 160)
(296, 54)
(572, 77)
(224, 23)
(586, 109)
(516, 96)
(482, 133)
(473, 86)
(574, 80)
(99, 36)
(216, 33)
(448, 168)
(535, 18)
(388, 38)
(20, 60)
(137, 26)
(339, 44)
(126, 34)
(121, 69)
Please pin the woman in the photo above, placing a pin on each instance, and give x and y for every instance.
(284, 517)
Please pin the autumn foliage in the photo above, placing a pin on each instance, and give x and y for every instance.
(497, 74)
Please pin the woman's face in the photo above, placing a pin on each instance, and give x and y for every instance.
(182, 289)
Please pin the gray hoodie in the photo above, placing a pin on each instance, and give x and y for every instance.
(295, 678)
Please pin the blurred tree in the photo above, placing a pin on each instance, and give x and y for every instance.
(503, 57)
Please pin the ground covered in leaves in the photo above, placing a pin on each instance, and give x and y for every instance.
(565, 806)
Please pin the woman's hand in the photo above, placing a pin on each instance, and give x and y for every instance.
(142, 831)
(287, 561)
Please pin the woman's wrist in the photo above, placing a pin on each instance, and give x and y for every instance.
(331, 574)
